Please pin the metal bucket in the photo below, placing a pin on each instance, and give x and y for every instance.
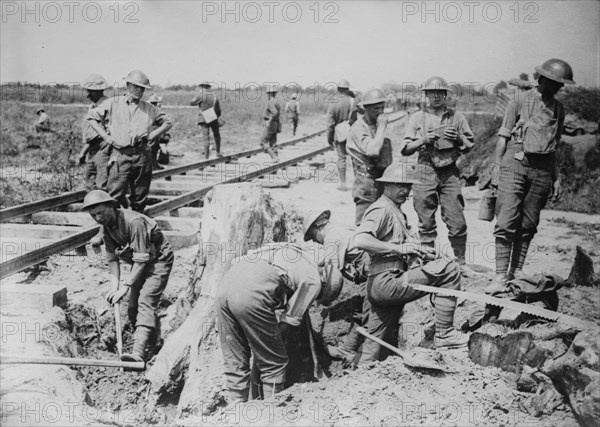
(487, 208)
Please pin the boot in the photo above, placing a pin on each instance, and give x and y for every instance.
(340, 353)
(271, 389)
(272, 153)
(446, 335)
(140, 339)
(498, 285)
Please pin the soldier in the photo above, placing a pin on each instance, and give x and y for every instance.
(42, 124)
(370, 150)
(95, 152)
(272, 124)
(526, 167)
(440, 135)
(162, 140)
(292, 110)
(130, 128)
(135, 239)
(341, 114)
(352, 263)
(208, 119)
(384, 234)
(276, 276)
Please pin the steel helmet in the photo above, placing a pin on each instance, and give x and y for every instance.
(96, 197)
(294, 96)
(435, 83)
(95, 82)
(272, 89)
(373, 96)
(205, 83)
(38, 110)
(343, 84)
(332, 283)
(313, 217)
(138, 78)
(557, 70)
(400, 173)
(155, 98)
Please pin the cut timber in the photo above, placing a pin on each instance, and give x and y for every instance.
(274, 183)
(190, 212)
(236, 217)
(37, 231)
(181, 239)
(70, 361)
(576, 375)
(582, 272)
(42, 297)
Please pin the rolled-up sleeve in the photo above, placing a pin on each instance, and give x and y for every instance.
(305, 294)
(465, 133)
(162, 118)
(372, 222)
(510, 118)
(109, 248)
(410, 133)
(140, 240)
(98, 113)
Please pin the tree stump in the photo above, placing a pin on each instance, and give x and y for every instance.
(236, 218)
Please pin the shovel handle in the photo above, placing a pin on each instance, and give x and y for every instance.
(396, 350)
(119, 329)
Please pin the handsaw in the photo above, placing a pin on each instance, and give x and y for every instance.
(513, 305)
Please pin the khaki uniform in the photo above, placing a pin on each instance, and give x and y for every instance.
(137, 238)
(278, 276)
(388, 285)
(130, 164)
(96, 165)
(272, 125)
(292, 111)
(42, 124)
(365, 189)
(440, 177)
(204, 100)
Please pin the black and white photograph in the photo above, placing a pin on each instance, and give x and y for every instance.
(300, 213)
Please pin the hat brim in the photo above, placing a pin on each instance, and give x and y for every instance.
(374, 102)
(327, 214)
(554, 78)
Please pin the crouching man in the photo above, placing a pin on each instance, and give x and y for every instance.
(384, 234)
(277, 276)
(136, 239)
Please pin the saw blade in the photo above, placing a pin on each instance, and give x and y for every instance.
(501, 302)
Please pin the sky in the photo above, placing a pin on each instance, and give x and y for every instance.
(306, 42)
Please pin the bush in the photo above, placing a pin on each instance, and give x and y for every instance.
(581, 101)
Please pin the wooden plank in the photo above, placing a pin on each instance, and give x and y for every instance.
(14, 265)
(70, 361)
(41, 297)
(40, 205)
(36, 231)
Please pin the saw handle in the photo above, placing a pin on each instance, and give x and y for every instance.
(118, 329)
(396, 350)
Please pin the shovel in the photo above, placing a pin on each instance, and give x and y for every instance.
(406, 358)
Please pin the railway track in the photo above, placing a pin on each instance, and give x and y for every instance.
(32, 232)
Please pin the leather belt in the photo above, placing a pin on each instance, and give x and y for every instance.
(389, 264)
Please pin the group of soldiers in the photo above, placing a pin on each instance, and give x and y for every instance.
(379, 252)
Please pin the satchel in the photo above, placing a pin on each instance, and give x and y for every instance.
(341, 131)
(209, 115)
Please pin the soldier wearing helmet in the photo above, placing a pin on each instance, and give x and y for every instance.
(353, 264)
(159, 145)
(276, 276)
(370, 150)
(272, 124)
(526, 167)
(95, 152)
(131, 125)
(42, 124)
(208, 119)
(292, 111)
(384, 234)
(440, 135)
(341, 114)
(137, 240)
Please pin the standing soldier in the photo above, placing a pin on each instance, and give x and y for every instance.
(384, 234)
(163, 139)
(292, 110)
(441, 135)
(42, 124)
(370, 150)
(135, 239)
(339, 119)
(95, 152)
(272, 124)
(130, 127)
(276, 276)
(352, 263)
(526, 167)
(208, 119)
